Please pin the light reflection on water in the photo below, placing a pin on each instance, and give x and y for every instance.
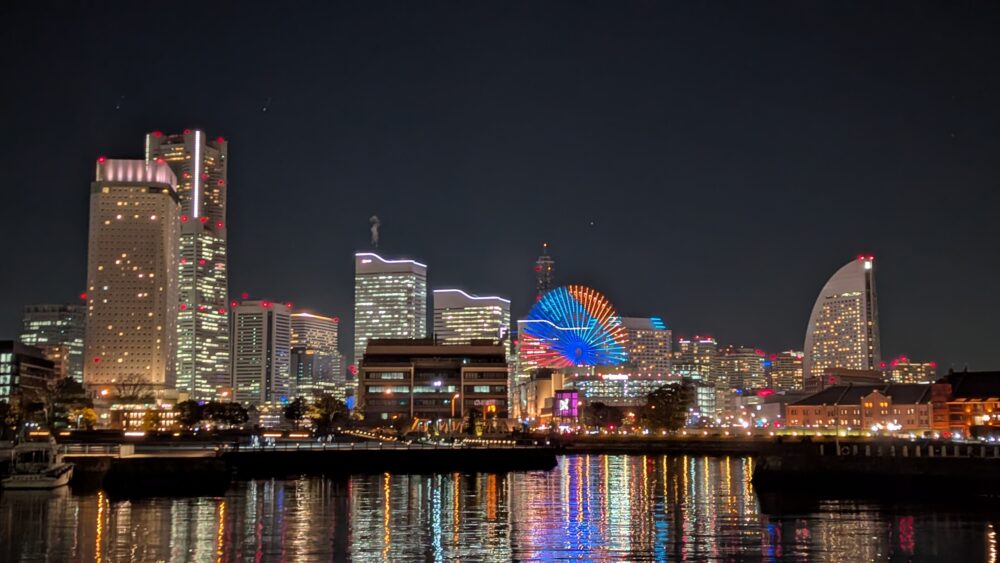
(590, 507)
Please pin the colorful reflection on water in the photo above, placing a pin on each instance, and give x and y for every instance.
(590, 507)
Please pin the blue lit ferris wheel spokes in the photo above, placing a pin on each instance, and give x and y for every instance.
(576, 326)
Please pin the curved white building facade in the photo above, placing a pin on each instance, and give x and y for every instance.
(843, 327)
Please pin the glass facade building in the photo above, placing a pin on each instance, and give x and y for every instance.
(317, 366)
(58, 330)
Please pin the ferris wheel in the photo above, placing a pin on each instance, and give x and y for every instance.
(574, 326)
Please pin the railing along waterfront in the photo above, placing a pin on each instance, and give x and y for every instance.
(963, 451)
(120, 450)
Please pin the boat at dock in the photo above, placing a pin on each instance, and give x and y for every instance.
(37, 466)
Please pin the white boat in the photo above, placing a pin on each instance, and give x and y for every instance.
(37, 466)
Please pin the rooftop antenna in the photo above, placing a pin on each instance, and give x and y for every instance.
(375, 224)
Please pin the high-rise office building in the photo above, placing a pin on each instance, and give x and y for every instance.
(200, 165)
(695, 358)
(132, 274)
(317, 366)
(739, 367)
(544, 273)
(784, 370)
(649, 342)
(905, 370)
(390, 300)
(261, 351)
(58, 330)
(843, 326)
(460, 318)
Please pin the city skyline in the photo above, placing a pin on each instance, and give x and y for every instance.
(822, 137)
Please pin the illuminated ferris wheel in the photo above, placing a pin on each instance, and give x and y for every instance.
(573, 326)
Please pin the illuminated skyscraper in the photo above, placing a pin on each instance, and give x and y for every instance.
(390, 300)
(200, 165)
(649, 344)
(132, 274)
(317, 367)
(58, 330)
(544, 272)
(261, 341)
(460, 318)
(784, 370)
(843, 327)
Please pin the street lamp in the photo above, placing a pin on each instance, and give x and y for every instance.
(453, 399)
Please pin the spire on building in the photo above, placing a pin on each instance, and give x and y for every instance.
(544, 272)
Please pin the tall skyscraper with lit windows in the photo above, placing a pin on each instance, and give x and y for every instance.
(843, 327)
(649, 342)
(390, 300)
(131, 294)
(261, 352)
(200, 165)
(460, 318)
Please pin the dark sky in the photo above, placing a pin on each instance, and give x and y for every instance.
(732, 155)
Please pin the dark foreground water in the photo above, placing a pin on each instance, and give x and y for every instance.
(589, 508)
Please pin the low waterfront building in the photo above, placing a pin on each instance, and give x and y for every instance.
(422, 379)
(615, 387)
(969, 403)
(847, 408)
(142, 417)
(600, 384)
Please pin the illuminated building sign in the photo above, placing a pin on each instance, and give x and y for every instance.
(566, 404)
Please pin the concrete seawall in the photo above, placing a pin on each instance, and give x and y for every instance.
(882, 468)
(673, 446)
(272, 463)
(210, 473)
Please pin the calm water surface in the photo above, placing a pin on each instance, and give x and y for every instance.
(589, 508)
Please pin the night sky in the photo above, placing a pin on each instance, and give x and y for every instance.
(712, 163)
